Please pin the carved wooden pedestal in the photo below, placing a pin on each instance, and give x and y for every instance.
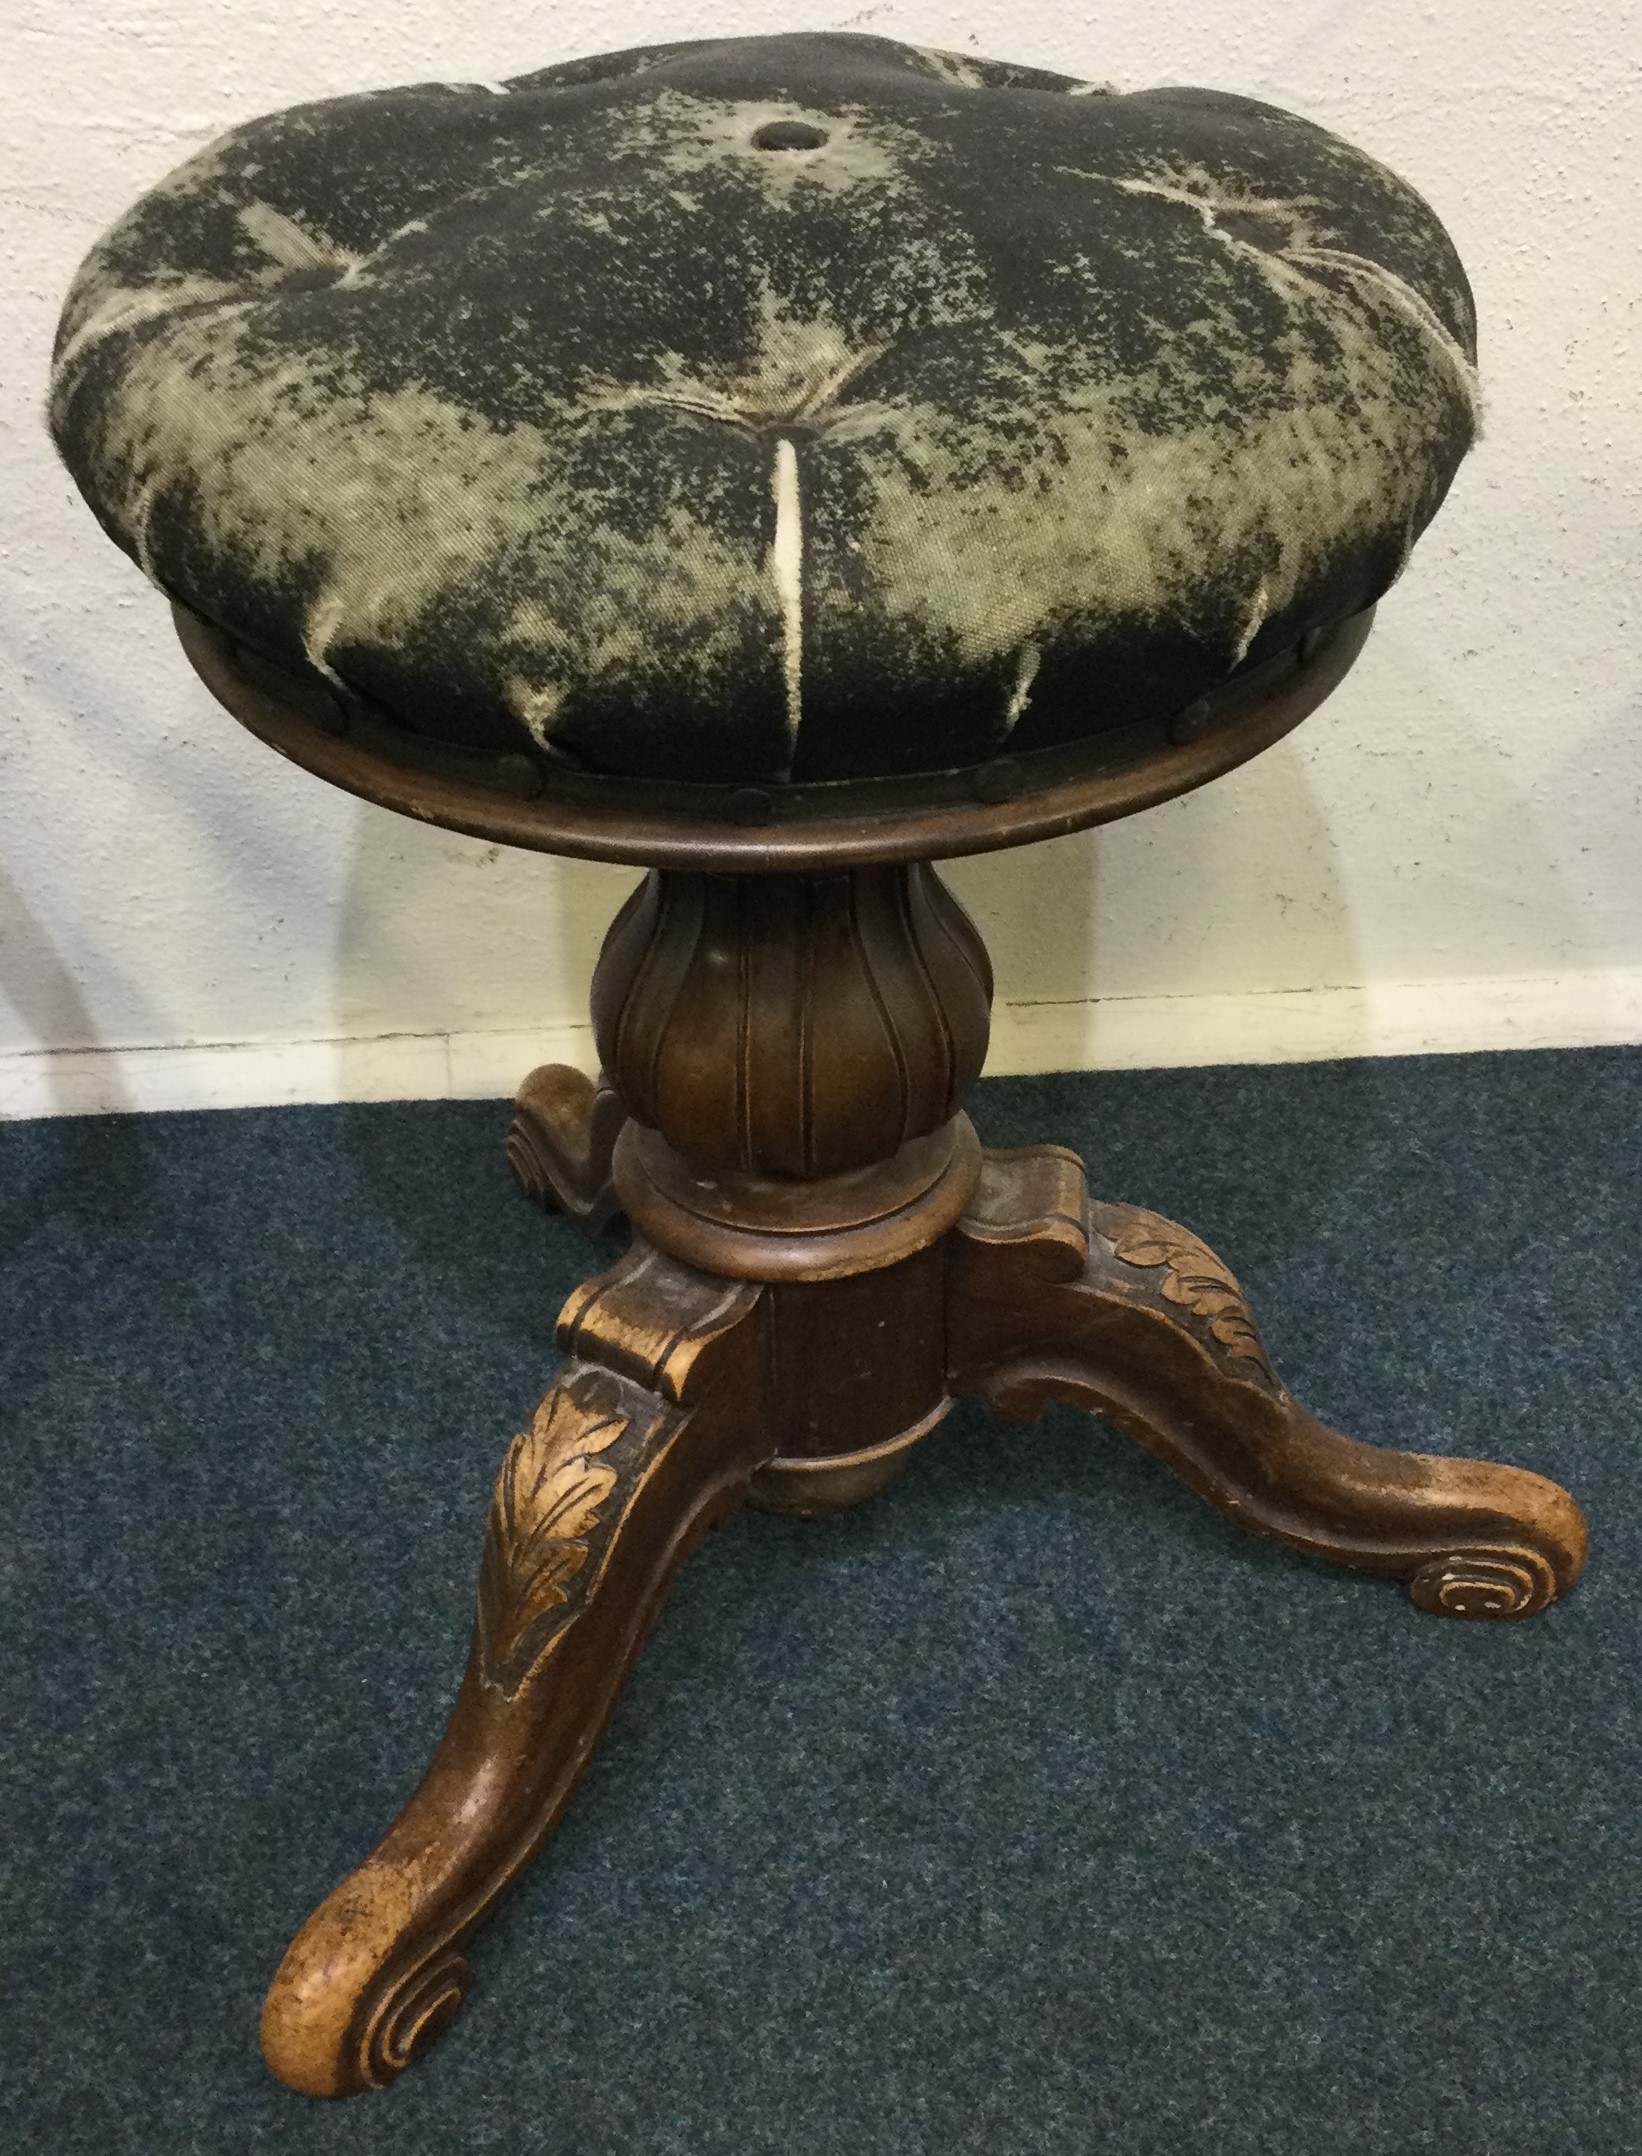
(823, 1260)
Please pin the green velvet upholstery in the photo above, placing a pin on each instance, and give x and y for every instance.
(779, 409)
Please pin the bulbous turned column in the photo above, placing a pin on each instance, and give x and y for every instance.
(794, 1052)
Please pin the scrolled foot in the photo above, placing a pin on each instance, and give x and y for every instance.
(340, 2018)
(423, 2009)
(1128, 1315)
(1485, 1584)
(647, 1437)
(560, 1143)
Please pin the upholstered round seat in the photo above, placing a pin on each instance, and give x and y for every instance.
(770, 411)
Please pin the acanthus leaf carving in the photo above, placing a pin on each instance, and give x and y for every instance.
(548, 1503)
(1195, 1280)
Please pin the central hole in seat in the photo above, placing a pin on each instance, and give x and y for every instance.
(789, 135)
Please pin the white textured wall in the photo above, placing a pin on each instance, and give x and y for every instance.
(1447, 855)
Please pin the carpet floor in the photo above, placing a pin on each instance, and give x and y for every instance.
(1030, 1808)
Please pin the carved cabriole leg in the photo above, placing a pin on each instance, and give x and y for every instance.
(563, 1133)
(1125, 1314)
(652, 1431)
(798, 1049)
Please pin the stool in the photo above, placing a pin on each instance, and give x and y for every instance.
(780, 464)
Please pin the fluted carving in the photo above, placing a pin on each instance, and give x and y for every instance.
(796, 1026)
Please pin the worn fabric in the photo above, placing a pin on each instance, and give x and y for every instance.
(787, 408)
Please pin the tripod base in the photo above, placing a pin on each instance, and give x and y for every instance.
(684, 1393)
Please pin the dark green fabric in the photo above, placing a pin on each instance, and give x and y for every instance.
(792, 408)
(1032, 1809)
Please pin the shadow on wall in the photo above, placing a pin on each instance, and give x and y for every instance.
(482, 954)
(1596, 913)
(459, 966)
(90, 1173)
(1233, 890)
(1428, 862)
(45, 995)
(35, 979)
(1449, 870)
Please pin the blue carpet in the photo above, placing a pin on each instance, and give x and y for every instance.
(1030, 1808)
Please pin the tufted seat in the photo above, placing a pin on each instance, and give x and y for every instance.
(780, 410)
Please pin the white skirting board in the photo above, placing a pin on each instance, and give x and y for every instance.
(1445, 1017)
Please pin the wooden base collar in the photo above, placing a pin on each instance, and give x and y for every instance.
(811, 1489)
(753, 1227)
